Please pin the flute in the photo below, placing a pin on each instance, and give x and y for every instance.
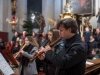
(19, 51)
(41, 52)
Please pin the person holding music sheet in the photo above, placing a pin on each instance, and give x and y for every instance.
(26, 67)
(70, 60)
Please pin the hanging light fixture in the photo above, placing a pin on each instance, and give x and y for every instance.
(13, 20)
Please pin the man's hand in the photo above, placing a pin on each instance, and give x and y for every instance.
(40, 53)
(42, 56)
(21, 51)
(47, 48)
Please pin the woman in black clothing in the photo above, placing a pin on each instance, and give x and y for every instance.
(53, 35)
(16, 48)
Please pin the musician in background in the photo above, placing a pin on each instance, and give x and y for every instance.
(9, 46)
(83, 40)
(21, 42)
(43, 39)
(27, 67)
(34, 34)
(87, 35)
(17, 39)
(97, 37)
(95, 53)
(70, 59)
(92, 45)
(23, 35)
(2, 44)
(36, 38)
(15, 36)
(16, 47)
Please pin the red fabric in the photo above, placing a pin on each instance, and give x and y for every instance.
(10, 47)
(13, 18)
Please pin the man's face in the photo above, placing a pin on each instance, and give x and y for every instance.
(16, 33)
(91, 38)
(65, 34)
(86, 29)
(97, 31)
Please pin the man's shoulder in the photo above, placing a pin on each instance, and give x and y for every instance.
(78, 45)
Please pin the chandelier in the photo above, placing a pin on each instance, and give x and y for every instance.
(13, 20)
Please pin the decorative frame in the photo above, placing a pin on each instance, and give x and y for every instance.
(82, 6)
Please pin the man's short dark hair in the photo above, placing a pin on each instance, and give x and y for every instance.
(68, 23)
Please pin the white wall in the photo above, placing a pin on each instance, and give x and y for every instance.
(21, 12)
(9, 17)
(48, 12)
(62, 6)
(5, 9)
(1, 11)
(57, 8)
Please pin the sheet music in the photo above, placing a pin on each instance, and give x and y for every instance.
(4, 66)
(89, 63)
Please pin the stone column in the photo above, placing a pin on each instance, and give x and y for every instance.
(5, 8)
(63, 4)
(21, 12)
(57, 8)
(11, 34)
(48, 12)
(1, 16)
(5, 12)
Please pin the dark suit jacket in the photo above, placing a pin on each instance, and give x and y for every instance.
(70, 60)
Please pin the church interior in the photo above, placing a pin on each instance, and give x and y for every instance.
(21, 20)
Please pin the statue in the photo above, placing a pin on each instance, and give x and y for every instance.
(98, 21)
(68, 11)
(86, 21)
(41, 23)
(68, 7)
(54, 22)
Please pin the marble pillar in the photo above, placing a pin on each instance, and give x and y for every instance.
(21, 12)
(1, 16)
(48, 12)
(62, 5)
(57, 8)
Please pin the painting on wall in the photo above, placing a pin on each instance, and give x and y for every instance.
(82, 6)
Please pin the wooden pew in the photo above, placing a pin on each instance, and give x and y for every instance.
(94, 68)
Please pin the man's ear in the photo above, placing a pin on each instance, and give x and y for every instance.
(70, 30)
